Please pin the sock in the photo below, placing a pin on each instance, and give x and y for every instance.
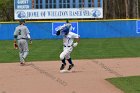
(70, 61)
(63, 61)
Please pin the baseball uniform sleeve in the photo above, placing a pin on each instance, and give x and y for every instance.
(27, 30)
(75, 35)
(70, 29)
(16, 31)
(28, 33)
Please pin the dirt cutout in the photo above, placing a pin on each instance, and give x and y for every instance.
(88, 76)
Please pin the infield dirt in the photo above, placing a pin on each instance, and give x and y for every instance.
(88, 76)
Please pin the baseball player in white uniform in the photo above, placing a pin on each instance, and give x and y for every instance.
(21, 35)
(68, 44)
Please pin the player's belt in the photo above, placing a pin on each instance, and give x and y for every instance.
(21, 38)
(66, 46)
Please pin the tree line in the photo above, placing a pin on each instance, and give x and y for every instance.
(121, 9)
(113, 9)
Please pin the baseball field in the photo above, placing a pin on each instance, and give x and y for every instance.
(97, 61)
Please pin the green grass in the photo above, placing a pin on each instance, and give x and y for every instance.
(87, 49)
(127, 84)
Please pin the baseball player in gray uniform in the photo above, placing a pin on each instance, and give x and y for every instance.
(68, 44)
(21, 35)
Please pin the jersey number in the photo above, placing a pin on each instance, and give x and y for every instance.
(19, 32)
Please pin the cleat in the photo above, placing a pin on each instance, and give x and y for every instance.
(22, 63)
(70, 67)
(62, 66)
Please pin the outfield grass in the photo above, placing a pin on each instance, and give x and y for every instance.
(127, 84)
(42, 50)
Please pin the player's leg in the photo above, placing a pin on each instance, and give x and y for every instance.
(69, 60)
(21, 57)
(62, 58)
(71, 64)
(25, 49)
(20, 51)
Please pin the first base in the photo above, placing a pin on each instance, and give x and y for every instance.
(63, 71)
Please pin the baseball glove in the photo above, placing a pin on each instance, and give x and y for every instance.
(15, 46)
(58, 32)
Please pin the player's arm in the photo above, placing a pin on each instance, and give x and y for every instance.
(15, 39)
(28, 35)
(15, 44)
(58, 32)
(76, 41)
